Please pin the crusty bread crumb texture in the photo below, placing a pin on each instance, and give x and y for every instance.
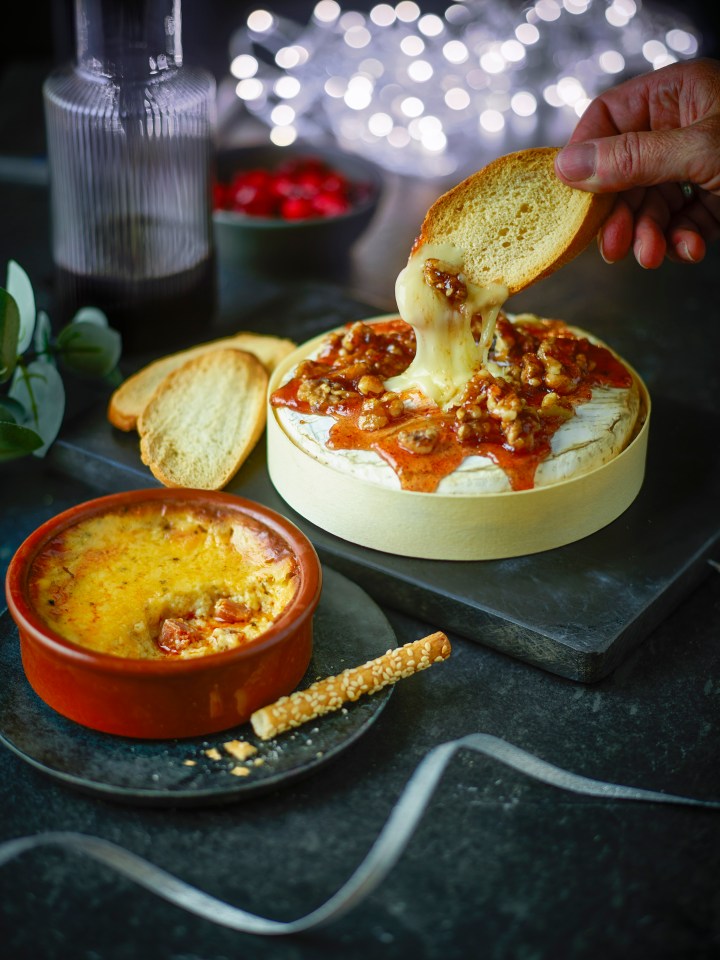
(199, 412)
(134, 393)
(514, 221)
(204, 419)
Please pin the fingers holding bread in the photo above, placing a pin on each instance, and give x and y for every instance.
(204, 419)
(515, 220)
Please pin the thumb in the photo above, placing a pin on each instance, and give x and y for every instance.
(634, 159)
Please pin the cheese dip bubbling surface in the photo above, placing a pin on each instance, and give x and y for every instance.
(163, 580)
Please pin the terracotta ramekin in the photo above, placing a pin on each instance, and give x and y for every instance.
(159, 699)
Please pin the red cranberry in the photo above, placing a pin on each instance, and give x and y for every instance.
(330, 204)
(296, 208)
(296, 189)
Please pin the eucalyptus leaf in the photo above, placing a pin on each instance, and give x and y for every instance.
(11, 410)
(89, 349)
(114, 378)
(17, 441)
(19, 286)
(9, 333)
(90, 315)
(43, 337)
(39, 388)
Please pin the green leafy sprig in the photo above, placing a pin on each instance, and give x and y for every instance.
(32, 405)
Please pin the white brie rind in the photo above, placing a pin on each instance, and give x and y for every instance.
(599, 430)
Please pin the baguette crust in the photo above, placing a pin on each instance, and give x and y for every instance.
(204, 419)
(132, 396)
(515, 222)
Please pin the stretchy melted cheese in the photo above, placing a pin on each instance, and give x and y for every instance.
(163, 580)
(447, 354)
(453, 397)
(507, 431)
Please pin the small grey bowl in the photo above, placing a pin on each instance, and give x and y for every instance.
(286, 246)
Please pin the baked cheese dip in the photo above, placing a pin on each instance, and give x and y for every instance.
(164, 580)
(465, 399)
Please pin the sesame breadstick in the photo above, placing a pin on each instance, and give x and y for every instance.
(332, 692)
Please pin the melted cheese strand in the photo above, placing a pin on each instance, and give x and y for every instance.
(446, 354)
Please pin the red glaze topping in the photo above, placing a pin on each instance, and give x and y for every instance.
(548, 370)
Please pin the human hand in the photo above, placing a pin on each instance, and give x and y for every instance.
(643, 139)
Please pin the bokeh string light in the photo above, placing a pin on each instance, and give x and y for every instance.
(428, 94)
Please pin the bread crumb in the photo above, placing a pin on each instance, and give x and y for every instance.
(213, 753)
(240, 749)
(240, 771)
(189, 763)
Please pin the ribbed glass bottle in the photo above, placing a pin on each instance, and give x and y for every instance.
(130, 134)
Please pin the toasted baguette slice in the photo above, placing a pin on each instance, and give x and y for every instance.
(204, 419)
(514, 221)
(130, 398)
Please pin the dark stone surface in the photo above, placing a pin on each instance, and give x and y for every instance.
(500, 865)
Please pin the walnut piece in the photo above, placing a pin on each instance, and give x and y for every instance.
(445, 278)
(420, 440)
(322, 393)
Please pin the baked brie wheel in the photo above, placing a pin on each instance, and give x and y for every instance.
(544, 444)
(454, 431)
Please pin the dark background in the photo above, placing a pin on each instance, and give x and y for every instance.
(208, 23)
(44, 37)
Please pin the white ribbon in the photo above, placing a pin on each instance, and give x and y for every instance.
(382, 856)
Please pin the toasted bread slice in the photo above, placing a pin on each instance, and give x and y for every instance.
(204, 419)
(131, 397)
(514, 221)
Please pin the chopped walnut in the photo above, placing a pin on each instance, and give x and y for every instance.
(558, 377)
(420, 440)
(373, 416)
(377, 412)
(469, 412)
(445, 278)
(311, 370)
(520, 434)
(393, 403)
(532, 371)
(582, 361)
(354, 371)
(476, 430)
(513, 432)
(370, 385)
(319, 393)
(332, 342)
(358, 334)
(553, 406)
(503, 403)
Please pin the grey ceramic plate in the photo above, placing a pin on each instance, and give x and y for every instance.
(349, 629)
